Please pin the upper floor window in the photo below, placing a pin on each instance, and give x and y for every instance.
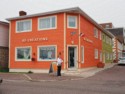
(107, 39)
(103, 37)
(96, 32)
(47, 23)
(23, 25)
(100, 35)
(72, 22)
(110, 41)
(107, 26)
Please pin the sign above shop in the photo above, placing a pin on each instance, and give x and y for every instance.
(88, 40)
(34, 39)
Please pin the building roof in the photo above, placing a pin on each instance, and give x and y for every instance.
(68, 10)
(107, 25)
(5, 23)
(118, 32)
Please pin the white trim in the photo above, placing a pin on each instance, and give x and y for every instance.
(65, 41)
(27, 70)
(47, 46)
(68, 21)
(33, 70)
(50, 23)
(75, 46)
(79, 44)
(23, 47)
(24, 30)
(9, 43)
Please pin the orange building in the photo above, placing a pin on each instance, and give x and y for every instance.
(36, 40)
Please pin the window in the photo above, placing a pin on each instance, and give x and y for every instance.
(110, 56)
(47, 53)
(100, 56)
(82, 54)
(47, 23)
(72, 21)
(100, 35)
(107, 56)
(23, 54)
(96, 32)
(107, 26)
(23, 26)
(110, 41)
(96, 53)
(107, 39)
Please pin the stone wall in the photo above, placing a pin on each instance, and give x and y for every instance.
(4, 58)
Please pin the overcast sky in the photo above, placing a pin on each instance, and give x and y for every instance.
(100, 10)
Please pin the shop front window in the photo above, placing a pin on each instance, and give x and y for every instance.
(23, 54)
(47, 53)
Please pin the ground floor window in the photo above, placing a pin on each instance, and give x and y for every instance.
(110, 56)
(96, 53)
(46, 52)
(23, 54)
(100, 56)
(82, 54)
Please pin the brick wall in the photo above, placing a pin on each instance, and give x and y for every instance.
(4, 55)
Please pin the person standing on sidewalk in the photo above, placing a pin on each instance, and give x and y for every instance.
(59, 64)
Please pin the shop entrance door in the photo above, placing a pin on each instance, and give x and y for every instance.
(71, 57)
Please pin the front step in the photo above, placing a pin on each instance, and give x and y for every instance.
(72, 72)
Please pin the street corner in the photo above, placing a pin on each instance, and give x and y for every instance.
(43, 77)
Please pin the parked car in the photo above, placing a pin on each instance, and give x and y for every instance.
(1, 80)
(121, 60)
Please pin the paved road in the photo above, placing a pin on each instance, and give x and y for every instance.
(110, 81)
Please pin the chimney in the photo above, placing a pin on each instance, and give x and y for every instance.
(22, 13)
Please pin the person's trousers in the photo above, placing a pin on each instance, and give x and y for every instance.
(58, 70)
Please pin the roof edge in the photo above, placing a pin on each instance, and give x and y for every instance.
(44, 13)
(64, 10)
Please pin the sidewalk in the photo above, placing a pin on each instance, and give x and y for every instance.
(87, 72)
(68, 75)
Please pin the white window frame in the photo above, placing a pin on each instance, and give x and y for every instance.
(47, 59)
(24, 30)
(96, 31)
(96, 53)
(16, 59)
(82, 54)
(50, 23)
(75, 21)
